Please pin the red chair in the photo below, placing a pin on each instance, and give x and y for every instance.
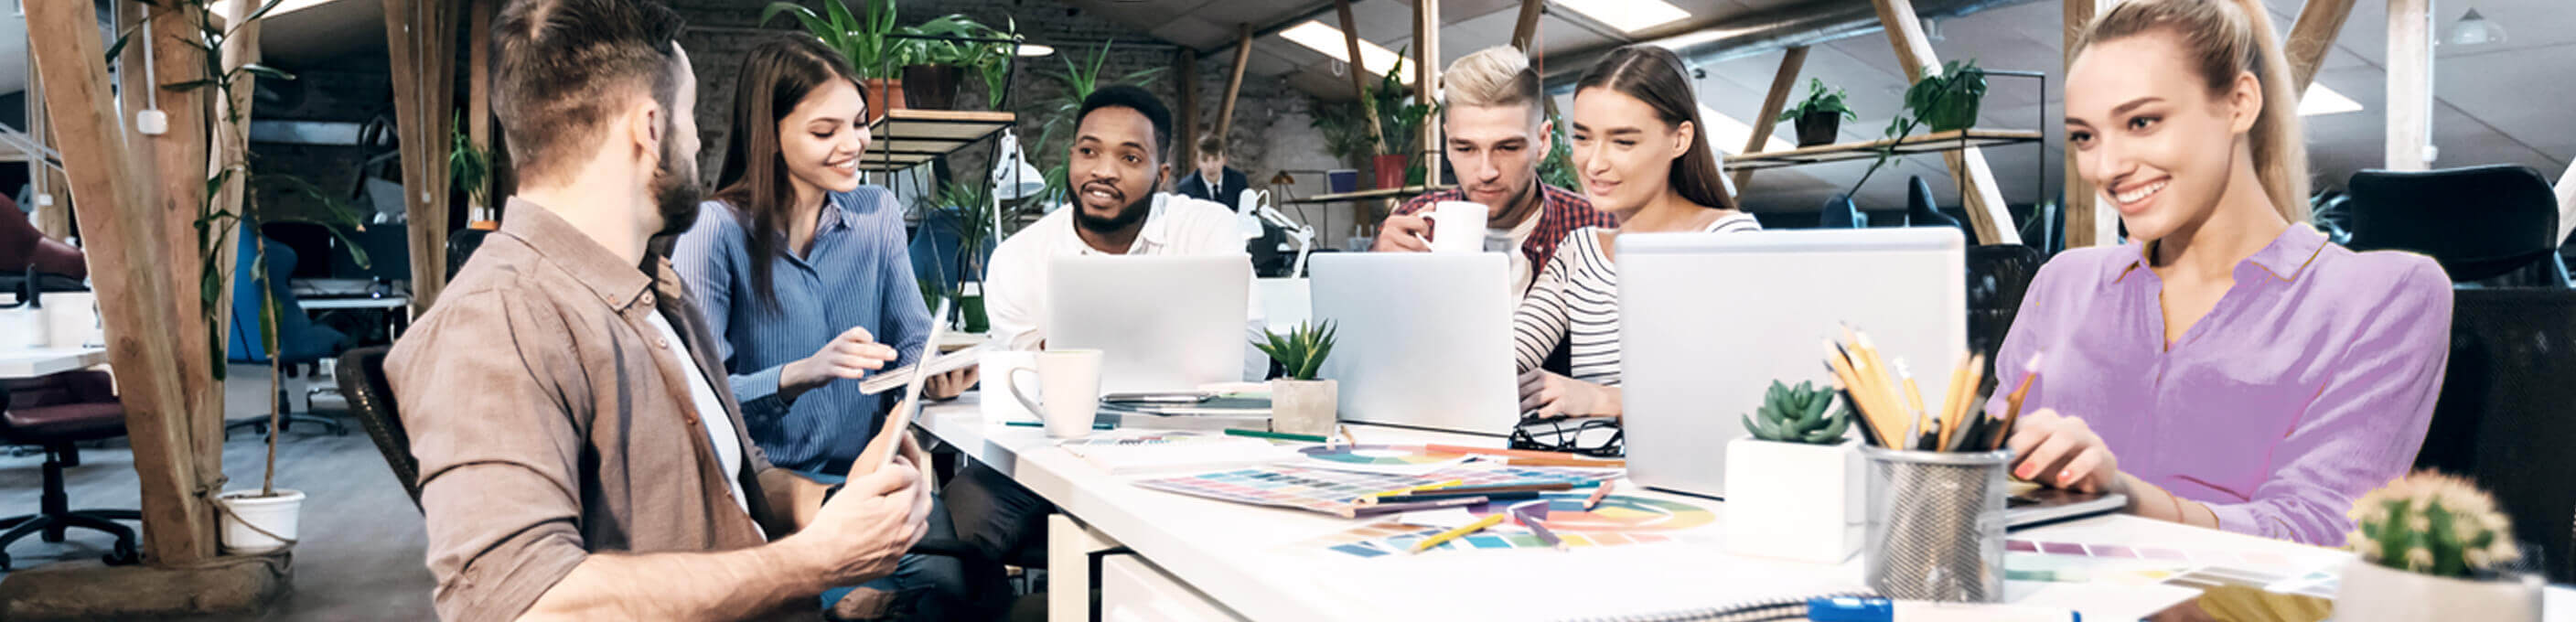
(53, 412)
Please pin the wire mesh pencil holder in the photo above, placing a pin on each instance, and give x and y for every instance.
(1936, 525)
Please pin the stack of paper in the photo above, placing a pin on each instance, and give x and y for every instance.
(891, 379)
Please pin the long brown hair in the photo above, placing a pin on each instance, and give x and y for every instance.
(2225, 38)
(775, 76)
(1655, 75)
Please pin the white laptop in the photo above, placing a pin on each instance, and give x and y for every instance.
(1424, 340)
(1162, 323)
(1708, 320)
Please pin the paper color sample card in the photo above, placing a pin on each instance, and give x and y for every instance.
(1620, 520)
(1392, 459)
(1328, 491)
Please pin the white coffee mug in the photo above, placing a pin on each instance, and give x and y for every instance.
(1068, 390)
(1458, 227)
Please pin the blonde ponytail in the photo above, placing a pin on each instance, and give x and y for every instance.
(2223, 38)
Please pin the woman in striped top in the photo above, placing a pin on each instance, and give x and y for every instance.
(1643, 159)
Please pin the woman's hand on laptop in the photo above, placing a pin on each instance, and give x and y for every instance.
(1549, 394)
(851, 355)
(2062, 452)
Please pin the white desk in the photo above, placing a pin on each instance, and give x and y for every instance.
(387, 303)
(1246, 559)
(34, 362)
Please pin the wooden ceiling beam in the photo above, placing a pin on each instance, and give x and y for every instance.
(1234, 85)
(1985, 204)
(1783, 82)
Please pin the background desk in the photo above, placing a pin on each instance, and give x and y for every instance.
(1245, 561)
(34, 362)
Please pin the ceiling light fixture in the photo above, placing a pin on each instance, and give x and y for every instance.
(1032, 50)
(2475, 29)
(2320, 101)
(1629, 15)
(1328, 41)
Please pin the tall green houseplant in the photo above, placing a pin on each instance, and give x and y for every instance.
(860, 37)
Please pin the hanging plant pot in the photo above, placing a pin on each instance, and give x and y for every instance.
(258, 524)
(931, 87)
(1819, 128)
(882, 95)
(1956, 111)
(1390, 171)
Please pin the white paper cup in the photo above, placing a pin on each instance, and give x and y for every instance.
(1458, 227)
(1068, 397)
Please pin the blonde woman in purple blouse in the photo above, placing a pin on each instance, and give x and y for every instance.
(2228, 367)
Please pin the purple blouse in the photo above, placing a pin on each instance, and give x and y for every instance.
(2310, 383)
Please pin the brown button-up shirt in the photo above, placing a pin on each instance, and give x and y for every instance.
(551, 422)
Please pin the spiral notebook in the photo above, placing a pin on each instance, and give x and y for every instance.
(1750, 611)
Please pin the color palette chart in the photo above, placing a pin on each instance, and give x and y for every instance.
(1326, 490)
(2194, 568)
(1389, 459)
(1618, 521)
(2196, 557)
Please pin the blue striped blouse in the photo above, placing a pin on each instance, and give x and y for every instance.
(857, 274)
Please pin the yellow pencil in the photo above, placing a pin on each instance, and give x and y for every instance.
(1414, 489)
(1488, 521)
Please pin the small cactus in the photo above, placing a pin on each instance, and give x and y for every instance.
(2432, 524)
(1798, 415)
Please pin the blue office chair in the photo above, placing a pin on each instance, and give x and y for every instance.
(300, 342)
(1840, 213)
(1921, 211)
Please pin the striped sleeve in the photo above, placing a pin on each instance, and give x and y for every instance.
(1542, 319)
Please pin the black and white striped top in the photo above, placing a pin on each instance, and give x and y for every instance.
(1577, 298)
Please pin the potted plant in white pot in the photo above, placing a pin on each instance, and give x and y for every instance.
(1795, 489)
(2433, 547)
(1300, 404)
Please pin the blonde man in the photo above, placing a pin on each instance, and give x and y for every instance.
(1496, 136)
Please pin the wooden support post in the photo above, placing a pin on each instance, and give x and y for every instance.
(1187, 152)
(1234, 86)
(419, 35)
(1525, 31)
(1426, 76)
(54, 220)
(2311, 37)
(1985, 204)
(121, 224)
(1783, 82)
(2410, 85)
(178, 160)
(1359, 71)
(478, 97)
(2087, 222)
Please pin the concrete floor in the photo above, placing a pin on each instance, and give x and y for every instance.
(360, 550)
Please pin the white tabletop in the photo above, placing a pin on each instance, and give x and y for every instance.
(327, 304)
(1249, 558)
(33, 362)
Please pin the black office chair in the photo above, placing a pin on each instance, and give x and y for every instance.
(2502, 417)
(54, 412)
(1998, 276)
(2492, 226)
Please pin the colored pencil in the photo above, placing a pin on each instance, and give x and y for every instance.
(1279, 436)
(1488, 521)
(1346, 434)
(1913, 392)
(1414, 489)
(1550, 486)
(1036, 424)
(1561, 462)
(2013, 402)
(1847, 368)
(1524, 517)
(1435, 495)
(1358, 510)
(1597, 494)
(1950, 410)
(1508, 453)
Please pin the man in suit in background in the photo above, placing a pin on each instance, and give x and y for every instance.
(1214, 181)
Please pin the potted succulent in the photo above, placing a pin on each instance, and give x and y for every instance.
(1820, 118)
(1795, 489)
(2433, 547)
(1948, 100)
(1300, 404)
(862, 38)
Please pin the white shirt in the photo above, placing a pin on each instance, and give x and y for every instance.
(1508, 242)
(702, 395)
(1015, 282)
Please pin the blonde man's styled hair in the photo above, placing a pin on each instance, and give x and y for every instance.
(1492, 77)
(2224, 39)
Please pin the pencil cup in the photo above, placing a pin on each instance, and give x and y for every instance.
(1936, 525)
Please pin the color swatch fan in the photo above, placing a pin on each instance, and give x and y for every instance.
(1399, 459)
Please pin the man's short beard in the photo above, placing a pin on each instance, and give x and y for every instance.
(1128, 216)
(676, 193)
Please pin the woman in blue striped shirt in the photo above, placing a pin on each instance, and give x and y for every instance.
(805, 280)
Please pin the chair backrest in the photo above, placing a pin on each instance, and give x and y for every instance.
(371, 398)
(2502, 416)
(1922, 211)
(2480, 222)
(1840, 213)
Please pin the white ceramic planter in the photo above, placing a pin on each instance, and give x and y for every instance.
(275, 515)
(1795, 501)
(1304, 406)
(2375, 593)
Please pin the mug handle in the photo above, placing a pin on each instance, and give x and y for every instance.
(1013, 382)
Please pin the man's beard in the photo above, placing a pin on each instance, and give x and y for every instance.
(675, 192)
(1128, 216)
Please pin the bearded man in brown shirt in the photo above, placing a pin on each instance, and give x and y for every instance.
(576, 459)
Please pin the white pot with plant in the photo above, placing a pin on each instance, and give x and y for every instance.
(2433, 547)
(1795, 489)
(1300, 404)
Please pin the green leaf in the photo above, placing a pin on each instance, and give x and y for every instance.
(267, 71)
(119, 46)
(190, 85)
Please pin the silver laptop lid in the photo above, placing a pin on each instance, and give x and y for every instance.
(1162, 323)
(1424, 340)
